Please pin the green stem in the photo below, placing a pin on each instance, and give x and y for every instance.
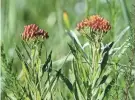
(95, 65)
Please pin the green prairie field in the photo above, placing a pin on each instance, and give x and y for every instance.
(67, 50)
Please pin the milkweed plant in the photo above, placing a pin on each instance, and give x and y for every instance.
(96, 71)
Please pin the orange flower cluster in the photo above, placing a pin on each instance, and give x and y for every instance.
(96, 23)
(32, 31)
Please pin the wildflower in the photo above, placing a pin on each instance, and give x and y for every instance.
(96, 23)
(32, 31)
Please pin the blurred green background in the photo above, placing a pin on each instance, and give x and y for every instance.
(48, 15)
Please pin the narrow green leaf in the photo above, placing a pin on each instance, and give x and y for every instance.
(80, 50)
(26, 49)
(10, 64)
(72, 50)
(108, 87)
(108, 47)
(45, 66)
(74, 37)
(104, 60)
(40, 49)
(103, 79)
(3, 55)
(67, 82)
(20, 55)
(77, 79)
(50, 67)
(75, 91)
(51, 86)
(121, 34)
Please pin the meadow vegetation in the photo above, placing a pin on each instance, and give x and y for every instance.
(67, 50)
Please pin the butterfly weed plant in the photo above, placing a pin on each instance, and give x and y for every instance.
(97, 78)
(34, 81)
(96, 73)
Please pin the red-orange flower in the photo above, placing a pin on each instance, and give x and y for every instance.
(96, 23)
(32, 31)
